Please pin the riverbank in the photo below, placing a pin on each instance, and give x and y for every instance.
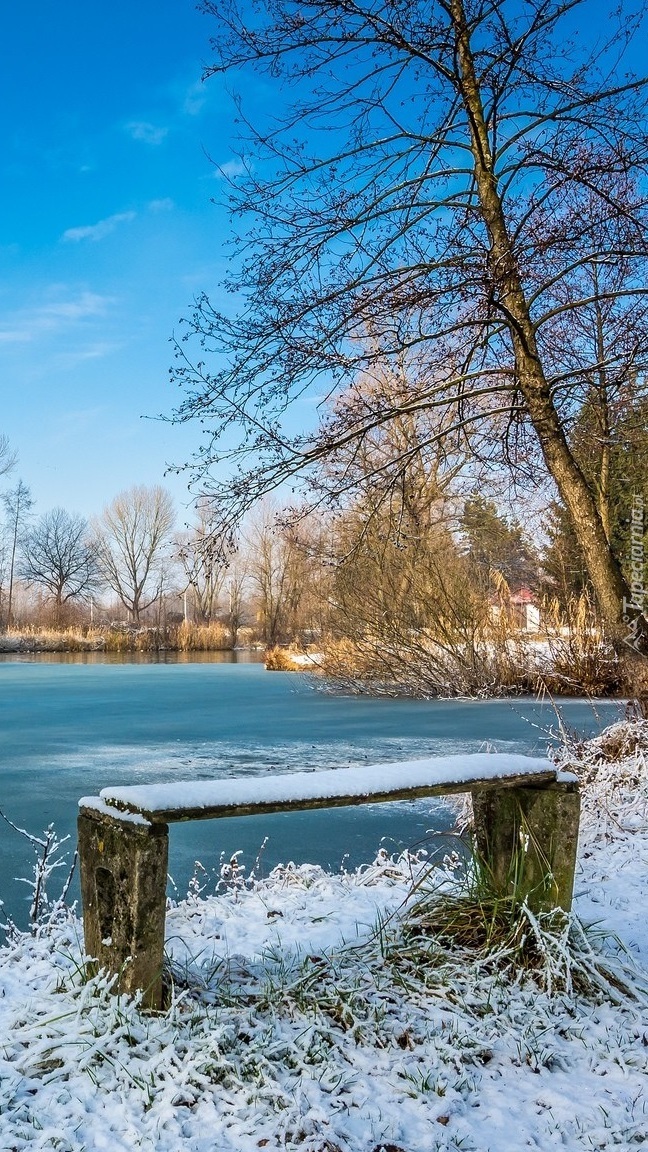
(558, 665)
(305, 1015)
(123, 638)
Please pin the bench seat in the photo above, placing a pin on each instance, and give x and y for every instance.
(526, 831)
(328, 788)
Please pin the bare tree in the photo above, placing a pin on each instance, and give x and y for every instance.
(474, 161)
(7, 462)
(18, 504)
(132, 536)
(279, 570)
(204, 568)
(59, 555)
(236, 585)
(4, 567)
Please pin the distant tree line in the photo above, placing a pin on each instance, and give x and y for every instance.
(411, 541)
(426, 553)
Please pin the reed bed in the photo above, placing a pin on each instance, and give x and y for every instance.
(185, 637)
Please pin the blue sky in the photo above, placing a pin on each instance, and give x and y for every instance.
(107, 231)
(110, 148)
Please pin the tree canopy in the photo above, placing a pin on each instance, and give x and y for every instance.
(59, 555)
(132, 536)
(496, 544)
(446, 178)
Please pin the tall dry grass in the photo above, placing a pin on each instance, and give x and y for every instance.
(33, 639)
(580, 659)
(213, 637)
(185, 637)
(280, 660)
(568, 656)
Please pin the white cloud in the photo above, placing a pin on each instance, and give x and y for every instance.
(85, 304)
(71, 424)
(164, 205)
(230, 169)
(148, 133)
(28, 324)
(194, 100)
(96, 351)
(99, 230)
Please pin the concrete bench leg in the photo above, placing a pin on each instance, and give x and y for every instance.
(527, 840)
(123, 889)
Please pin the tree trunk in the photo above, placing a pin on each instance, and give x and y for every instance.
(612, 592)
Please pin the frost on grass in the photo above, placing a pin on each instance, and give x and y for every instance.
(305, 1013)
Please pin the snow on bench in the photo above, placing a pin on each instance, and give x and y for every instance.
(329, 788)
(526, 830)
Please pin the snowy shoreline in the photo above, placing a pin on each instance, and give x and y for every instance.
(297, 1021)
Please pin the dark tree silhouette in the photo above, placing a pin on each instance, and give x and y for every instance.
(59, 556)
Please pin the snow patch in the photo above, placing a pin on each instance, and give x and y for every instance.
(96, 804)
(293, 1026)
(296, 787)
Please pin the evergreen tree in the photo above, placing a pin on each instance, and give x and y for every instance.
(563, 566)
(615, 464)
(496, 544)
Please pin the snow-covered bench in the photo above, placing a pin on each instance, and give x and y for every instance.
(526, 820)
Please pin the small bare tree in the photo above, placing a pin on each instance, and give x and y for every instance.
(236, 583)
(59, 556)
(204, 567)
(7, 462)
(280, 569)
(18, 504)
(133, 535)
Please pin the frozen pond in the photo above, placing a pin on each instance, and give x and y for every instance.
(71, 727)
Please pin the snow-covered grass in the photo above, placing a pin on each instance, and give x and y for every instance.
(307, 1012)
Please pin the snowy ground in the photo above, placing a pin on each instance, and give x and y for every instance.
(303, 1017)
